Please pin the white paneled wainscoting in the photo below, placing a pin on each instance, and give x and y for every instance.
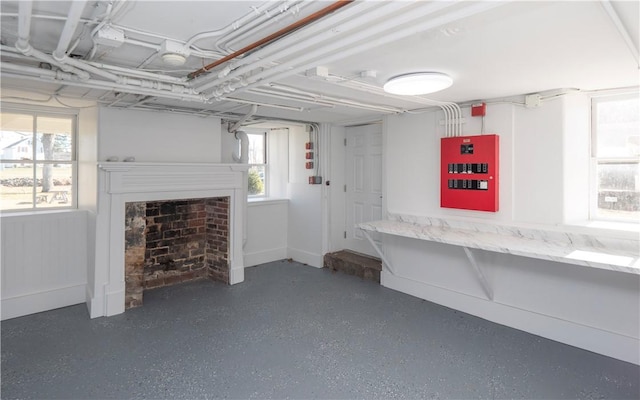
(44, 261)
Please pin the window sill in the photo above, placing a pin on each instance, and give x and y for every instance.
(623, 230)
(258, 201)
(39, 214)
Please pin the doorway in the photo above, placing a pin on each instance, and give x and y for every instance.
(363, 189)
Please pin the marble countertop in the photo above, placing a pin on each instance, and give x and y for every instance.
(553, 245)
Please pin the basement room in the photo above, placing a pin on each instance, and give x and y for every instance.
(320, 199)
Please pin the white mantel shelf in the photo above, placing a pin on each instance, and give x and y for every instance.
(125, 177)
(620, 255)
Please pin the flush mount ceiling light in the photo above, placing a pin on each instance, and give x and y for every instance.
(418, 83)
(174, 60)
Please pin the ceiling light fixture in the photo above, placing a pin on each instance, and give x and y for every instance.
(173, 59)
(418, 83)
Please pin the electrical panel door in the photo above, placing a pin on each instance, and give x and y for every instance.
(469, 172)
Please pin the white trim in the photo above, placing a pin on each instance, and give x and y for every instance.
(264, 256)
(305, 257)
(31, 303)
(600, 341)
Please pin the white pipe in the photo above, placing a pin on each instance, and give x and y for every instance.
(333, 46)
(279, 106)
(229, 28)
(73, 19)
(96, 84)
(328, 56)
(238, 124)
(622, 29)
(332, 53)
(89, 68)
(139, 74)
(25, 9)
(355, 17)
(243, 157)
(336, 100)
(224, 43)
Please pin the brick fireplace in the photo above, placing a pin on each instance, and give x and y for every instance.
(128, 233)
(168, 242)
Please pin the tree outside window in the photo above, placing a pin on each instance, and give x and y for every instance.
(37, 160)
(258, 164)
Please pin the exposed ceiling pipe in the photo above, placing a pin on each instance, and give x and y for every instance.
(25, 9)
(334, 47)
(238, 124)
(139, 74)
(288, 29)
(335, 100)
(349, 19)
(279, 106)
(240, 34)
(231, 27)
(622, 29)
(23, 46)
(73, 19)
(290, 68)
(40, 75)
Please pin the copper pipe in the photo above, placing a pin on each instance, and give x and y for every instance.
(305, 21)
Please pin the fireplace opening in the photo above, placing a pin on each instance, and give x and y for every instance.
(168, 242)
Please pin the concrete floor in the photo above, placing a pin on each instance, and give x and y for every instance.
(293, 331)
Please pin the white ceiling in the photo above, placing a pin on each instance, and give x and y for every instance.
(491, 49)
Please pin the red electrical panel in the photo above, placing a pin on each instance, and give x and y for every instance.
(469, 168)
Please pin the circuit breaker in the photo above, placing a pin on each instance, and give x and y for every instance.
(469, 168)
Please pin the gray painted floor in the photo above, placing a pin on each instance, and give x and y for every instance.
(293, 331)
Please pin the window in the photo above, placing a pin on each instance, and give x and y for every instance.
(37, 159)
(258, 164)
(615, 148)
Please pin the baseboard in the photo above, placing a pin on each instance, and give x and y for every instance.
(262, 257)
(32, 303)
(597, 340)
(236, 275)
(304, 257)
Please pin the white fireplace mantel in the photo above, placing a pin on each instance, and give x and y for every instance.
(123, 182)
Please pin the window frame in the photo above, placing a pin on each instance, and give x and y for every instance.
(52, 112)
(595, 160)
(265, 165)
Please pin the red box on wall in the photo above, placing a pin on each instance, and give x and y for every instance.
(469, 172)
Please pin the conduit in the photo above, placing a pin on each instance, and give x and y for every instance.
(247, 18)
(223, 43)
(338, 49)
(243, 157)
(264, 78)
(296, 25)
(70, 25)
(39, 74)
(352, 18)
(238, 124)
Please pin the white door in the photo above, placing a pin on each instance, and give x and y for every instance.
(363, 177)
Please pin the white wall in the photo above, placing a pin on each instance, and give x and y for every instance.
(44, 261)
(543, 181)
(44, 255)
(305, 204)
(266, 232)
(152, 136)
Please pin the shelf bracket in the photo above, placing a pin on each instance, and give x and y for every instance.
(483, 280)
(379, 251)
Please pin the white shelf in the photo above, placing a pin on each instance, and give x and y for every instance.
(553, 245)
